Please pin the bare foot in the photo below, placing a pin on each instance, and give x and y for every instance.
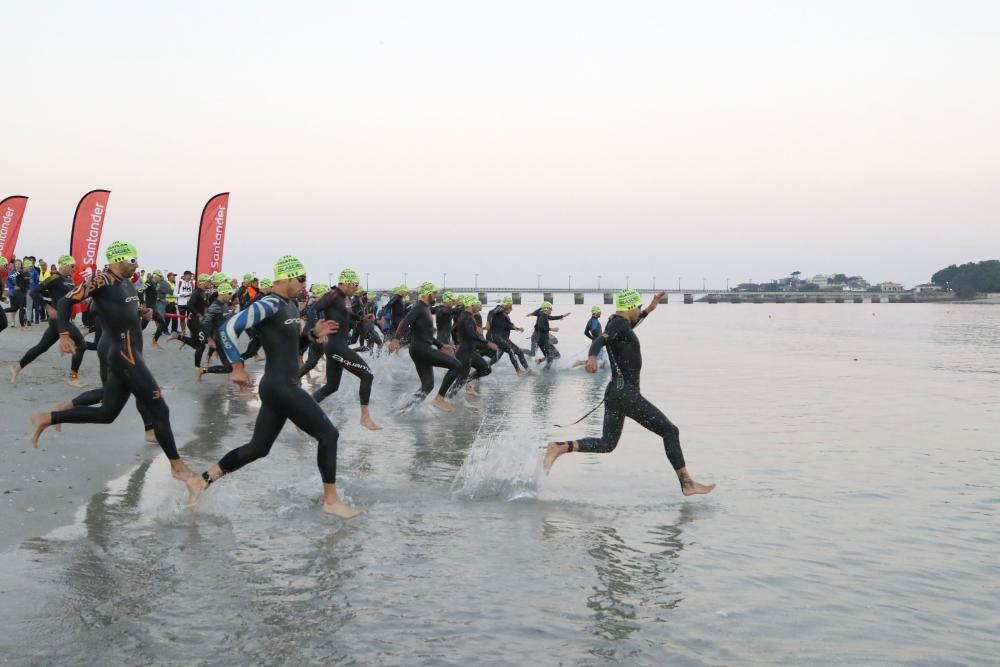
(257, 357)
(15, 370)
(156, 346)
(199, 373)
(341, 509)
(195, 486)
(370, 424)
(65, 405)
(553, 451)
(74, 381)
(471, 391)
(442, 405)
(172, 337)
(151, 438)
(40, 421)
(693, 488)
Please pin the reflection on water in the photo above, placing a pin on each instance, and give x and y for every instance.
(854, 521)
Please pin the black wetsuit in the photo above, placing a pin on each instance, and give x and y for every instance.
(51, 292)
(500, 328)
(313, 351)
(211, 324)
(245, 299)
(127, 372)
(366, 332)
(339, 355)
(280, 330)
(470, 341)
(103, 345)
(547, 347)
(397, 313)
(623, 397)
(196, 307)
(425, 350)
(444, 319)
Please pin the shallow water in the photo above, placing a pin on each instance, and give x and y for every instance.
(855, 447)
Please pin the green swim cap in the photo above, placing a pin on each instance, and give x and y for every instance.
(349, 277)
(65, 260)
(507, 301)
(3, 261)
(319, 289)
(627, 299)
(247, 277)
(401, 289)
(265, 283)
(121, 251)
(448, 296)
(546, 305)
(427, 288)
(470, 300)
(157, 272)
(288, 267)
(27, 264)
(220, 278)
(596, 310)
(224, 288)
(204, 277)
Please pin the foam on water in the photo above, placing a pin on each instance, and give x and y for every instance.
(503, 461)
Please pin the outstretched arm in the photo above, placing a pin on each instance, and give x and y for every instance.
(252, 315)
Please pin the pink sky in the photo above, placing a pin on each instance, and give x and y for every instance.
(703, 140)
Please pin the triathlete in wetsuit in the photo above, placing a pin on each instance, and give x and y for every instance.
(128, 375)
(623, 397)
(397, 307)
(366, 332)
(500, 328)
(444, 317)
(197, 306)
(425, 350)
(310, 316)
(542, 328)
(470, 341)
(212, 324)
(94, 396)
(276, 319)
(339, 355)
(592, 330)
(57, 286)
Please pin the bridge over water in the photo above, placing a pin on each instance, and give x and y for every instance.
(690, 295)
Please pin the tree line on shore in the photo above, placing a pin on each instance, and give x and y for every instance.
(969, 279)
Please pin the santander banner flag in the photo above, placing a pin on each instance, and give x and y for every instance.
(85, 239)
(11, 214)
(212, 234)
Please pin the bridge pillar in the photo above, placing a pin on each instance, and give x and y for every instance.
(758, 298)
(547, 296)
(578, 298)
(801, 299)
(820, 299)
(838, 299)
(893, 299)
(609, 298)
(482, 298)
(713, 298)
(689, 298)
(735, 299)
(516, 298)
(780, 298)
(859, 299)
(876, 299)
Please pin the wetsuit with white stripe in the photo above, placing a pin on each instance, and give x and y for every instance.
(278, 326)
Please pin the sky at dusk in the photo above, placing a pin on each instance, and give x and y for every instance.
(701, 140)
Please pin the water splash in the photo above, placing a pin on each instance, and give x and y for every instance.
(503, 461)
